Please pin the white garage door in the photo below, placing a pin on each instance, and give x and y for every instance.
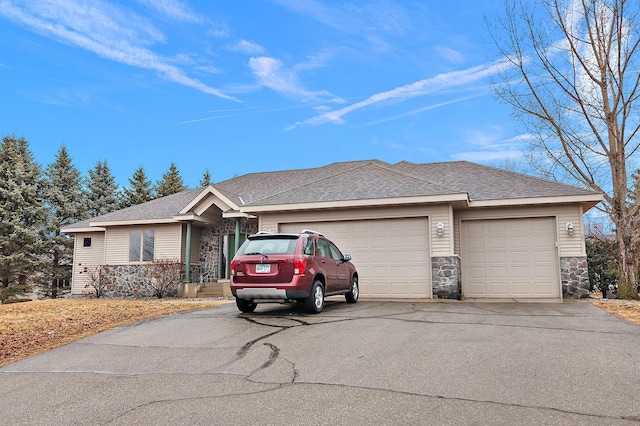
(391, 255)
(509, 258)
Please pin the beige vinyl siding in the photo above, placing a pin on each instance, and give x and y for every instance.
(568, 245)
(86, 257)
(196, 232)
(441, 245)
(571, 244)
(167, 242)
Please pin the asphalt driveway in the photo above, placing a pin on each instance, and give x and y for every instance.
(369, 363)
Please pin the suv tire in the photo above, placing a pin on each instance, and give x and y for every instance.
(315, 302)
(354, 291)
(246, 306)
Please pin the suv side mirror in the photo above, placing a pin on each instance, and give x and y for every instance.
(346, 257)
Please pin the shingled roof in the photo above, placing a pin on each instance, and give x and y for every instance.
(356, 180)
(158, 209)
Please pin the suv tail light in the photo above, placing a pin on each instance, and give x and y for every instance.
(299, 266)
(233, 267)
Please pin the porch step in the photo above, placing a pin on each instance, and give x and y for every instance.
(214, 289)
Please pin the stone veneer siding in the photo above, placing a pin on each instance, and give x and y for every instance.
(575, 277)
(211, 246)
(445, 277)
(132, 281)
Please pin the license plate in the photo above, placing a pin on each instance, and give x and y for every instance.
(263, 268)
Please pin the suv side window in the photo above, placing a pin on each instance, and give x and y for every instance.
(308, 247)
(335, 253)
(323, 248)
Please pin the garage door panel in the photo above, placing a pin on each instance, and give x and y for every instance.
(521, 258)
(499, 288)
(498, 272)
(392, 256)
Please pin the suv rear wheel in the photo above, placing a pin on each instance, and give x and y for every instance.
(315, 302)
(354, 292)
(246, 306)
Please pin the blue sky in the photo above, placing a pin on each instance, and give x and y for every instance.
(251, 85)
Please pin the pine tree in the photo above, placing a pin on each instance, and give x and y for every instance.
(21, 212)
(206, 179)
(139, 191)
(101, 191)
(171, 182)
(64, 205)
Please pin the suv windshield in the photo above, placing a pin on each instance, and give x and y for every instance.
(267, 246)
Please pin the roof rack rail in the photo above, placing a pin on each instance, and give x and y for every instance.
(268, 231)
(310, 231)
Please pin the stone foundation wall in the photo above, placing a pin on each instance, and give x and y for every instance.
(445, 277)
(575, 277)
(132, 281)
(129, 281)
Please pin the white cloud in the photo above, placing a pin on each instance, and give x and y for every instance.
(440, 83)
(247, 47)
(271, 73)
(364, 19)
(174, 9)
(450, 55)
(99, 27)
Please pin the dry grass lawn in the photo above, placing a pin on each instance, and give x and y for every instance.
(626, 309)
(33, 327)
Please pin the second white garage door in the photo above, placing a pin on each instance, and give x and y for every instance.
(391, 255)
(509, 258)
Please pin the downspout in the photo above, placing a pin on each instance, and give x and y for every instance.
(187, 256)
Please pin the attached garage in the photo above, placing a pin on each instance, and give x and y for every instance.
(510, 258)
(392, 255)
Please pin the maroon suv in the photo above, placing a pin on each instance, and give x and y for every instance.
(304, 268)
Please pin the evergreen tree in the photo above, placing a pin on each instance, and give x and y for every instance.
(101, 191)
(206, 179)
(21, 212)
(64, 205)
(139, 191)
(171, 182)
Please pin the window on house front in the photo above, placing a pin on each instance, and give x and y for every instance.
(142, 245)
(86, 242)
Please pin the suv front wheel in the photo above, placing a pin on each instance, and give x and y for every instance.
(354, 291)
(315, 302)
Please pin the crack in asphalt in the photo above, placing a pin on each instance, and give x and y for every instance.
(279, 386)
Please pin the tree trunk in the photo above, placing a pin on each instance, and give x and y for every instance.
(627, 267)
(54, 279)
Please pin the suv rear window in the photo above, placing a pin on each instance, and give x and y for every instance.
(269, 246)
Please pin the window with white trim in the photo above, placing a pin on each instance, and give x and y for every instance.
(142, 245)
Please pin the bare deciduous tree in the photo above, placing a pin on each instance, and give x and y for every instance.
(571, 74)
(166, 275)
(97, 280)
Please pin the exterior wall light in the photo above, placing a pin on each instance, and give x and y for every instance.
(569, 227)
(440, 228)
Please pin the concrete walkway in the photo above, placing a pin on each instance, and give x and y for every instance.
(369, 363)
